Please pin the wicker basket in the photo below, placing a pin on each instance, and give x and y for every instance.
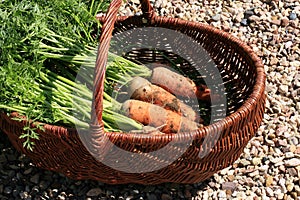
(61, 149)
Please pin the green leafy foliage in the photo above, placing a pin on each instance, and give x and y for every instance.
(44, 45)
(25, 25)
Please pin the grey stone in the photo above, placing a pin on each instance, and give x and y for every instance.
(7, 190)
(281, 143)
(292, 16)
(292, 172)
(248, 14)
(94, 192)
(3, 158)
(166, 197)
(28, 171)
(216, 17)
(229, 186)
(244, 22)
(151, 196)
(35, 179)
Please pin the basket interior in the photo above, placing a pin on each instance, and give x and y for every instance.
(234, 65)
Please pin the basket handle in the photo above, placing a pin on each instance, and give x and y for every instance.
(102, 55)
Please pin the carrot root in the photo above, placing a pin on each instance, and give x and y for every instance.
(156, 116)
(159, 96)
(178, 84)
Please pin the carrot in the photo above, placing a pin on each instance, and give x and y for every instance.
(178, 84)
(156, 116)
(142, 89)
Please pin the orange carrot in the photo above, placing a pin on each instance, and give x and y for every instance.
(178, 84)
(156, 116)
(142, 89)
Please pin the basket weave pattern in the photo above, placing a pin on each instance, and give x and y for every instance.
(60, 149)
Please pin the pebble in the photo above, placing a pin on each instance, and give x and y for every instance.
(239, 17)
(292, 172)
(256, 161)
(288, 45)
(280, 196)
(294, 162)
(216, 17)
(281, 143)
(294, 195)
(248, 14)
(283, 89)
(94, 192)
(290, 187)
(285, 21)
(7, 190)
(244, 163)
(24, 195)
(28, 171)
(229, 186)
(276, 160)
(269, 192)
(254, 18)
(269, 181)
(253, 174)
(244, 22)
(166, 197)
(35, 178)
(151, 196)
(281, 167)
(289, 155)
(222, 194)
(293, 16)
(276, 22)
(231, 177)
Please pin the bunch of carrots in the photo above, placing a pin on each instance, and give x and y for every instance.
(155, 97)
(157, 104)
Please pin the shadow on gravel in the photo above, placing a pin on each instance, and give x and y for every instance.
(20, 179)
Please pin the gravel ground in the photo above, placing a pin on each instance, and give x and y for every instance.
(269, 168)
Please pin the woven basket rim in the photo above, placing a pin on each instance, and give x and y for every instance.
(245, 108)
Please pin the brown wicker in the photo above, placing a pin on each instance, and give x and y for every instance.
(60, 149)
